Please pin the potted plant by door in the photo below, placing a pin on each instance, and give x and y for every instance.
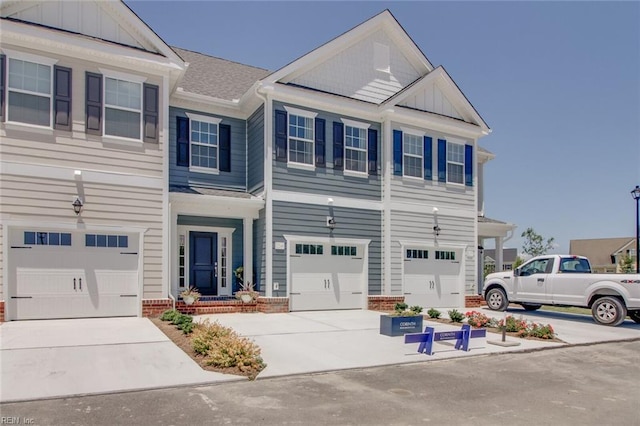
(403, 320)
(246, 293)
(190, 295)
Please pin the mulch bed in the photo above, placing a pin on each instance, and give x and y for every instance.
(183, 341)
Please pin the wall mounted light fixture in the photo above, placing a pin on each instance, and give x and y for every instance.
(77, 205)
(436, 230)
(331, 222)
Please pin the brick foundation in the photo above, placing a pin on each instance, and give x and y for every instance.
(473, 301)
(384, 303)
(268, 305)
(1, 311)
(155, 307)
(273, 305)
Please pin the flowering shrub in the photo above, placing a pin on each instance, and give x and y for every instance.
(528, 329)
(477, 319)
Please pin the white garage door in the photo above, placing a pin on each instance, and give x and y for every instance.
(71, 274)
(432, 277)
(327, 276)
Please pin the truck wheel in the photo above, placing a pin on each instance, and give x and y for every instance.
(530, 307)
(635, 316)
(497, 299)
(608, 311)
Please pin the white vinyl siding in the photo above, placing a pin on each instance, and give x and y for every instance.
(412, 148)
(123, 108)
(455, 163)
(355, 149)
(301, 145)
(29, 93)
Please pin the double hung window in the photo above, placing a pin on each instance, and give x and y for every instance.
(412, 155)
(455, 163)
(29, 92)
(122, 108)
(204, 144)
(301, 131)
(355, 149)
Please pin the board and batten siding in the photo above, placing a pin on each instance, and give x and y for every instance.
(76, 149)
(237, 252)
(259, 247)
(37, 199)
(235, 179)
(310, 220)
(418, 228)
(326, 180)
(255, 159)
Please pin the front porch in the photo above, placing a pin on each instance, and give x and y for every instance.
(498, 231)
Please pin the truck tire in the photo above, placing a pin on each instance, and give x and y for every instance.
(497, 299)
(635, 316)
(608, 311)
(530, 306)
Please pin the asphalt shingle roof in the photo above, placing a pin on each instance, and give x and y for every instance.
(216, 77)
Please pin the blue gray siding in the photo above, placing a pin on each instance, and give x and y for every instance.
(327, 180)
(236, 179)
(310, 220)
(255, 160)
(237, 238)
(259, 234)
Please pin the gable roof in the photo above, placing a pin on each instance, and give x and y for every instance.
(215, 77)
(598, 250)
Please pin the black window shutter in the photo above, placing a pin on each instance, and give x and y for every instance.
(372, 152)
(151, 113)
(225, 148)
(182, 141)
(428, 158)
(3, 67)
(94, 103)
(62, 98)
(468, 165)
(442, 160)
(397, 152)
(338, 145)
(320, 142)
(281, 136)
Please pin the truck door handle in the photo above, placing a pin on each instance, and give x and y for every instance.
(74, 283)
(80, 280)
(540, 280)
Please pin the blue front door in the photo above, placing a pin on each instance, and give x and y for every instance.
(203, 262)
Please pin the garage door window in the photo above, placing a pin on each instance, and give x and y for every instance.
(344, 251)
(47, 238)
(309, 249)
(417, 254)
(101, 240)
(445, 255)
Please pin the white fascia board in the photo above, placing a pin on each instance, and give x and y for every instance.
(434, 122)
(204, 103)
(323, 200)
(296, 238)
(494, 230)
(85, 48)
(215, 206)
(404, 207)
(68, 173)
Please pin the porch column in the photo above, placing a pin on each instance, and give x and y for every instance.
(247, 247)
(499, 261)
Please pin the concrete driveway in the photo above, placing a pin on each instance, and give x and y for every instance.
(54, 358)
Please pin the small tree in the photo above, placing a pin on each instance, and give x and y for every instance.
(534, 243)
(627, 264)
(519, 261)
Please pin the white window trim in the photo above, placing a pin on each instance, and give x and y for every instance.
(301, 112)
(355, 125)
(352, 123)
(210, 120)
(132, 78)
(404, 168)
(455, 163)
(37, 59)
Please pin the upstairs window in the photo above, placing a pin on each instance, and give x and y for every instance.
(204, 144)
(29, 92)
(301, 133)
(122, 108)
(355, 149)
(412, 155)
(455, 163)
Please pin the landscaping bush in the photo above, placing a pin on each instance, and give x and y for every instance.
(477, 319)
(204, 336)
(434, 313)
(416, 309)
(455, 315)
(528, 329)
(181, 321)
(169, 315)
(513, 325)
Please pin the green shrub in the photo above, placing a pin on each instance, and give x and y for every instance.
(525, 329)
(169, 315)
(434, 313)
(455, 315)
(513, 325)
(416, 309)
(181, 319)
(206, 333)
(187, 327)
(541, 331)
(400, 307)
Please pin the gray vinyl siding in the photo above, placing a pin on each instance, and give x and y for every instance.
(326, 180)
(237, 252)
(259, 265)
(310, 220)
(255, 160)
(419, 227)
(236, 179)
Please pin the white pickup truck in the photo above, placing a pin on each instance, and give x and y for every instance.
(565, 280)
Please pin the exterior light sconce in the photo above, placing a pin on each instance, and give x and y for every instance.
(77, 205)
(331, 222)
(436, 230)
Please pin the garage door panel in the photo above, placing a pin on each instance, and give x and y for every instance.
(433, 280)
(47, 282)
(116, 282)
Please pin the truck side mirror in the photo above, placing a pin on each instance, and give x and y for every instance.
(516, 272)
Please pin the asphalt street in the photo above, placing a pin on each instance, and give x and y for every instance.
(595, 384)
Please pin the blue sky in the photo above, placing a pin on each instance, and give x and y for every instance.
(558, 82)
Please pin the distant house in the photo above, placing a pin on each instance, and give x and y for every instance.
(509, 256)
(604, 253)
